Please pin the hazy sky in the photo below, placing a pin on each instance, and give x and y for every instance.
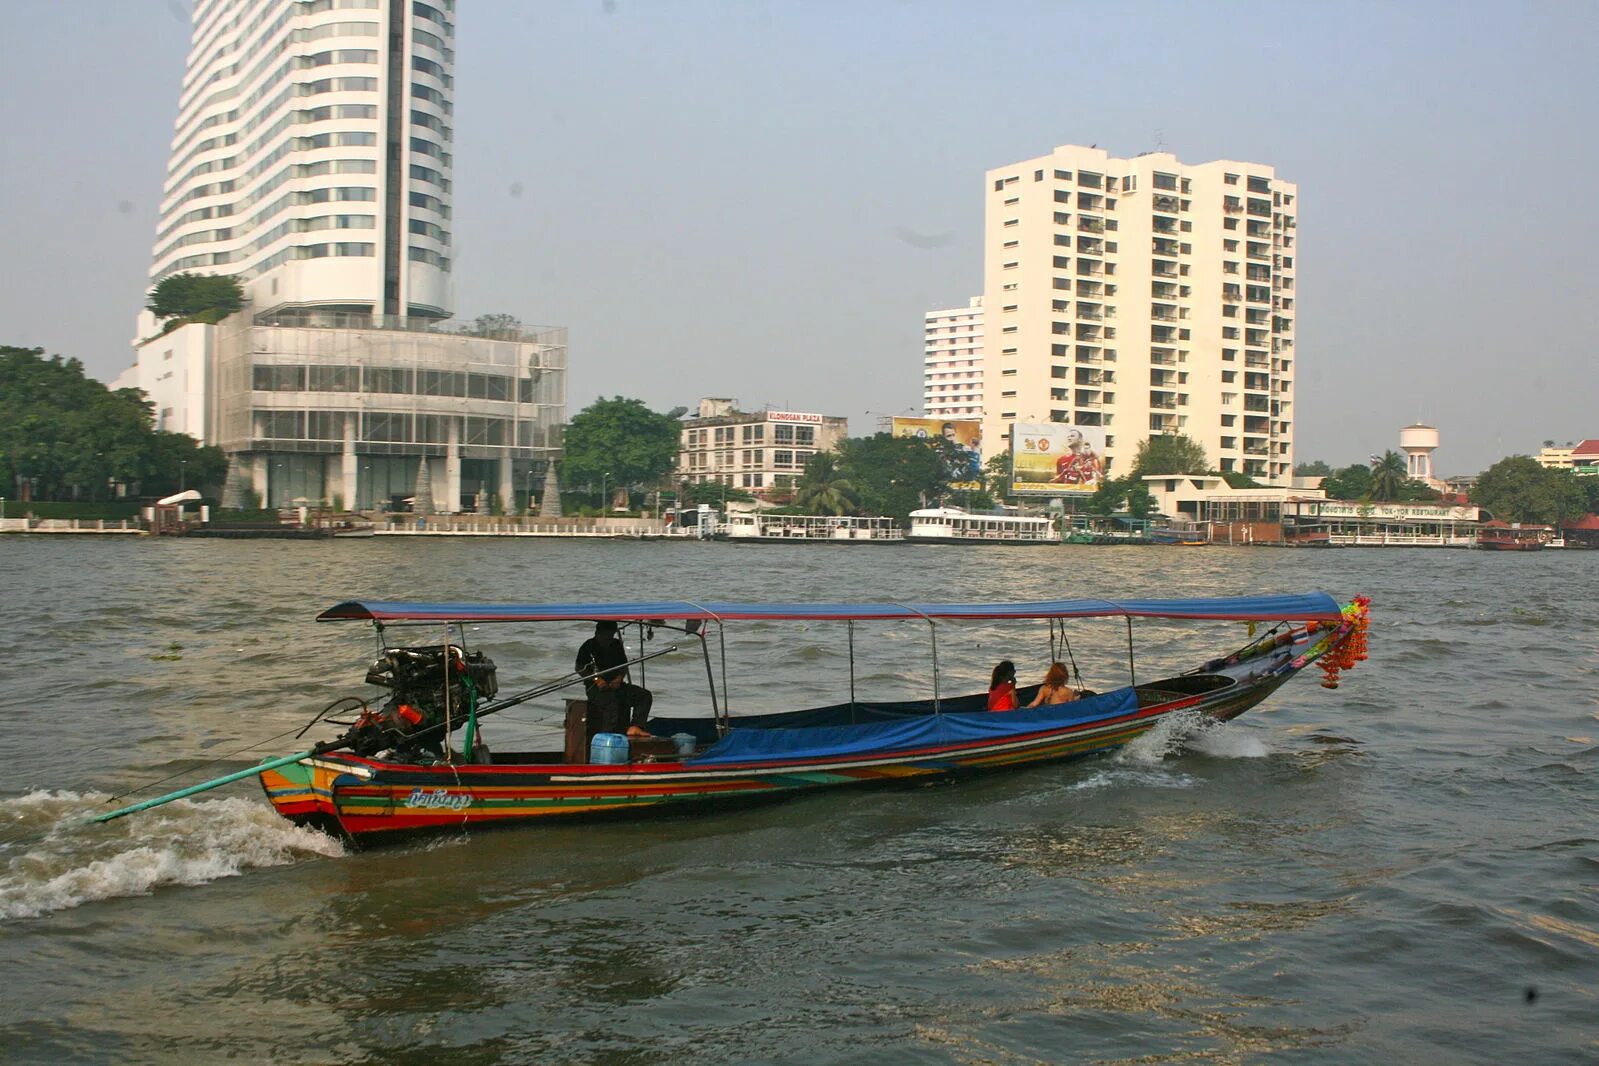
(760, 200)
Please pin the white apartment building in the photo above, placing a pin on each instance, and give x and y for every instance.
(312, 161)
(952, 360)
(1144, 296)
(760, 451)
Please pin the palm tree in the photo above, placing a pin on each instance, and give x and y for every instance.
(823, 489)
(1388, 476)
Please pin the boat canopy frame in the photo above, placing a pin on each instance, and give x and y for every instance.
(693, 617)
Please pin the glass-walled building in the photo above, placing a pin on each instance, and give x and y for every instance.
(344, 410)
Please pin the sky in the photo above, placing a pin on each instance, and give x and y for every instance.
(760, 200)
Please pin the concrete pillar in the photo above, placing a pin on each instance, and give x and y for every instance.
(260, 469)
(452, 471)
(350, 466)
(507, 484)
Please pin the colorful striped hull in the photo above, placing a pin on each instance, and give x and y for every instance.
(368, 799)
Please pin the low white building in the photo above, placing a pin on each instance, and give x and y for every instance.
(758, 451)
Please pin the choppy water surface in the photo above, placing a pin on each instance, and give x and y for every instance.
(1401, 870)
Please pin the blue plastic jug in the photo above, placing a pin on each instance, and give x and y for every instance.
(684, 743)
(609, 748)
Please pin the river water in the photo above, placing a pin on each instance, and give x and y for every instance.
(1403, 869)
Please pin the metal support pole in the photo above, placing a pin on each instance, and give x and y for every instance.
(1132, 675)
(932, 628)
(850, 626)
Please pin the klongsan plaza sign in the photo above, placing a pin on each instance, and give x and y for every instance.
(793, 416)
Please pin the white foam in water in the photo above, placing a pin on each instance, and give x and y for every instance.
(1190, 731)
(1134, 778)
(188, 842)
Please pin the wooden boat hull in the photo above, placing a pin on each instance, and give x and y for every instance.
(369, 799)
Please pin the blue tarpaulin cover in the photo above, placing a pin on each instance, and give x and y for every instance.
(1301, 607)
(930, 731)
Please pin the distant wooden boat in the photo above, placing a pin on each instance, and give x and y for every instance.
(1183, 536)
(1500, 537)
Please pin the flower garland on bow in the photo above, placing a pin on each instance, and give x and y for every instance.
(1344, 656)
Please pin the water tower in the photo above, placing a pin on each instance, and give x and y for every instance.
(1418, 442)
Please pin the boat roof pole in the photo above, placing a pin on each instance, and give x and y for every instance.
(723, 716)
(850, 626)
(1131, 672)
(446, 659)
(932, 628)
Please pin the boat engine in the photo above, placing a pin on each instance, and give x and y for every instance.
(421, 683)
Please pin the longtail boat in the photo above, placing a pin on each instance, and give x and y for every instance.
(395, 771)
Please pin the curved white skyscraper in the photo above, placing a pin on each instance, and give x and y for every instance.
(312, 160)
(312, 155)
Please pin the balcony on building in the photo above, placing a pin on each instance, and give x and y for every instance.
(1160, 422)
(1169, 204)
(1163, 356)
(1162, 400)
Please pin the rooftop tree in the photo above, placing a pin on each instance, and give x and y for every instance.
(196, 297)
(1170, 453)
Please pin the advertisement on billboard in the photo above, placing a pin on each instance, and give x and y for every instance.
(1054, 459)
(965, 434)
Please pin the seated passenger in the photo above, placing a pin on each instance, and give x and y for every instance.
(615, 703)
(1054, 689)
(1002, 687)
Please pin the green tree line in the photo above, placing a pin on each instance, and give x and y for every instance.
(65, 436)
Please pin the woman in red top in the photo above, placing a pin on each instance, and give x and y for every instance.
(1002, 687)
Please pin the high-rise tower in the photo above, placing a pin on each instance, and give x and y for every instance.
(312, 161)
(312, 157)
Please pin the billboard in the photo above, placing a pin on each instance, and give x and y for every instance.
(1054, 459)
(965, 433)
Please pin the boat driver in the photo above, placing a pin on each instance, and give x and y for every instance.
(615, 703)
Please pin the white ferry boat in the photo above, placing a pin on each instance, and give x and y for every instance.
(949, 525)
(754, 527)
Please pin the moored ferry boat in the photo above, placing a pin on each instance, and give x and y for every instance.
(950, 525)
(755, 527)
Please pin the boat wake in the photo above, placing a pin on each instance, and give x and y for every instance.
(1185, 733)
(51, 861)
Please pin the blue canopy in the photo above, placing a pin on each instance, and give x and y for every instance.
(1303, 607)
